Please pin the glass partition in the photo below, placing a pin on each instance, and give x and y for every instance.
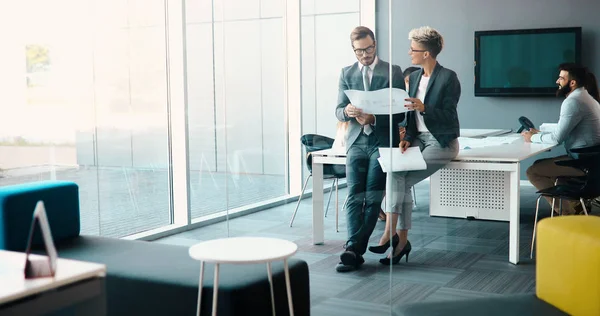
(236, 109)
(198, 118)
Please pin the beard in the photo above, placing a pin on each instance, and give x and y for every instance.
(563, 91)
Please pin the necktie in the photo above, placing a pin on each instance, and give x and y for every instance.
(367, 84)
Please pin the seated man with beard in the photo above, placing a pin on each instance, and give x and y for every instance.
(578, 126)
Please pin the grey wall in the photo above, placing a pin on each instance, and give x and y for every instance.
(457, 20)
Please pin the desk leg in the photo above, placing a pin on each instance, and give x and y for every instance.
(271, 285)
(200, 283)
(215, 290)
(515, 220)
(317, 197)
(286, 269)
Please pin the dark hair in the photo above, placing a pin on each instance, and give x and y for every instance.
(361, 32)
(583, 77)
(409, 70)
(592, 86)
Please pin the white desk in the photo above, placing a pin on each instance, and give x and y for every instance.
(484, 183)
(14, 287)
(490, 176)
(466, 132)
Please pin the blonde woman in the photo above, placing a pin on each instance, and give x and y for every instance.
(432, 124)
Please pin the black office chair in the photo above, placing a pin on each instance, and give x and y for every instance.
(582, 188)
(314, 142)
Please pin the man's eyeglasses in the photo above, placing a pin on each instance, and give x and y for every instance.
(412, 50)
(368, 50)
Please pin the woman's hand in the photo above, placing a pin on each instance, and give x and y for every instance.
(415, 104)
(404, 146)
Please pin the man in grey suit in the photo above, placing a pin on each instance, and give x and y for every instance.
(578, 126)
(366, 133)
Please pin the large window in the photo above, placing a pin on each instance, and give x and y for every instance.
(236, 108)
(168, 113)
(84, 99)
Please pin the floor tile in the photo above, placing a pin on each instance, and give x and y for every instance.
(499, 282)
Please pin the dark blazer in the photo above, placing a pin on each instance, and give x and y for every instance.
(351, 78)
(441, 100)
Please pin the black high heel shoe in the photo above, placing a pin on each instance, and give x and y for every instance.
(405, 251)
(384, 247)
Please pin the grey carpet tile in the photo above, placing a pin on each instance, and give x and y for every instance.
(299, 228)
(433, 229)
(394, 292)
(524, 247)
(346, 307)
(330, 247)
(327, 266)
(464, 244)
(415, 273)
(450, 294)
(324, 285)
(475, 229)
(310, 257)
(499, 282)
(499, 263)
(443, 258)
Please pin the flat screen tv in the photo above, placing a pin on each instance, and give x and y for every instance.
(523, 62)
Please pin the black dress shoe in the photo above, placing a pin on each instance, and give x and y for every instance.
(384, 247)
(349, 257)
(405, 251)
(340, 267)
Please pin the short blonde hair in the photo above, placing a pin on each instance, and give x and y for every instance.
(431, 39)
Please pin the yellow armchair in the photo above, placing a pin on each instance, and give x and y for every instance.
(568, 264)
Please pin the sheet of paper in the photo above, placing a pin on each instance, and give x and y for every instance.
(411, 159)
(470, 143)
(378, 101)
(548, 127)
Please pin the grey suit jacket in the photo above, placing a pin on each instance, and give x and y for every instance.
(441, 100)
(351, 78)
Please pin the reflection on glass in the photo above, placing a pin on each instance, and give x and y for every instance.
(87, 96)
(237, 128)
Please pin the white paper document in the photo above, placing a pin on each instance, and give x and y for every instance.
(471, 143)
(411, 159)
(378, 101)
(548, 127)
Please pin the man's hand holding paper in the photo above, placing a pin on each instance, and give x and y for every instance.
(378, 101)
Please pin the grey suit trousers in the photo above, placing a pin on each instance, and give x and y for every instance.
(400, 200)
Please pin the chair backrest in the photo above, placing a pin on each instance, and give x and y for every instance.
(315, 142)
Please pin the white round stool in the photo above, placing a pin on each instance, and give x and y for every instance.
(243, 250)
